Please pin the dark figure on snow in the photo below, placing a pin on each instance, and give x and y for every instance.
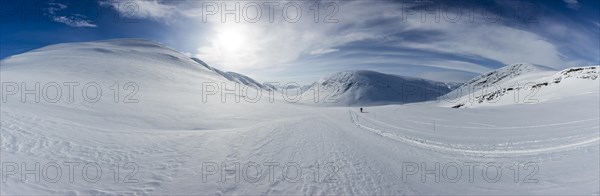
(361, 110)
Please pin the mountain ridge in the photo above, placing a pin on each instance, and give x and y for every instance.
(524, 84)
(364, 87)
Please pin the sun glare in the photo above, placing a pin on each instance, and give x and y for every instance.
(230, 40)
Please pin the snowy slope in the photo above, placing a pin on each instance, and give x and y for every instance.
(523, 84)
(505, 75)
(237, 77)
(372, 88)
(243, 79)
(163, 142)
(161, 83)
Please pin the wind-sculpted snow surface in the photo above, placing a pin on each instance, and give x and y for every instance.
(151, 132)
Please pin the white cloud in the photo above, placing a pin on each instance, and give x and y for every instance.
(267, 45)
(572, 4)
(152, 9)
(321, 51)
(244, 45)
(54, 7)
(75, 20)
(505, 44)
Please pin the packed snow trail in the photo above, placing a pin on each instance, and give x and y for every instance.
(460, 149)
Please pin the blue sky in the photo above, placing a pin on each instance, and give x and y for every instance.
(439, 40)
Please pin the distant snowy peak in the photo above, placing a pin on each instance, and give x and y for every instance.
(535, 87)
(586, 73)
(373, 88)
(504, 74)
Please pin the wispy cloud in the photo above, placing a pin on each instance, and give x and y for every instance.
(321, 51)
(74, 20)
(55, 7)
(381, 28)
(572, 4)
(367, 35)
(151, 9)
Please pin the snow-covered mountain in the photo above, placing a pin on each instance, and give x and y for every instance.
(243, 79)
(143, 57)
(128, 58)
(162, 83)
(523, 83)
(373, 88)
(237, 77)
(503, 75)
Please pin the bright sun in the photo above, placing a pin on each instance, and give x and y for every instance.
(231, 46)
(230, 40)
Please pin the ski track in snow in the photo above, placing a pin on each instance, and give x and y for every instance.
(494, 127)
(299, 141)
(460, 149)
